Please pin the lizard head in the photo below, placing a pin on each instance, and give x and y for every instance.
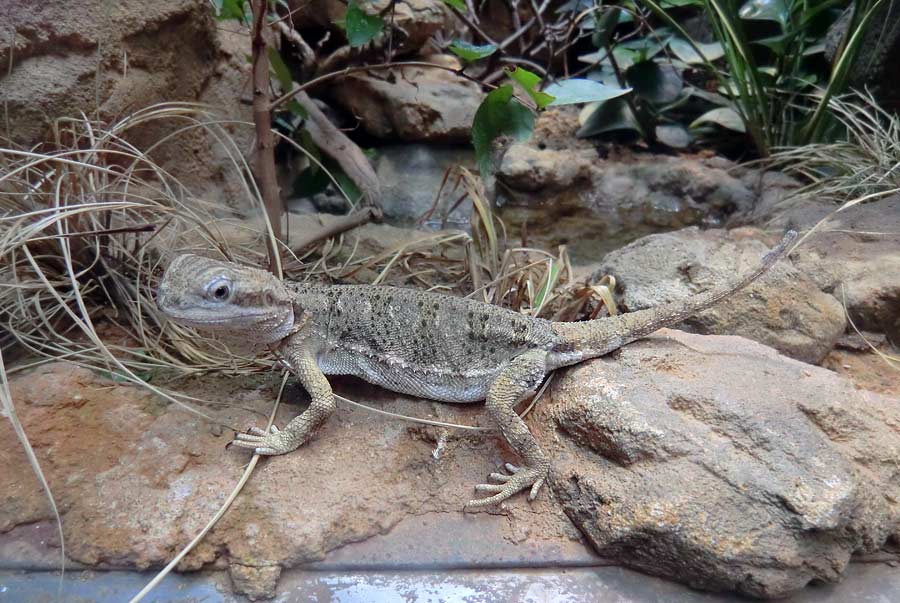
(238, 301)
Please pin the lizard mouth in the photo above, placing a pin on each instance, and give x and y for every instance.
(217, 321)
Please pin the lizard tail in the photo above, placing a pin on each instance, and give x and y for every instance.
(594, 338)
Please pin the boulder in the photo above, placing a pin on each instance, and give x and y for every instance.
(415, 20)
(719, 463)
(412, 103)
(854, 255)
(110, 61)
(565, 191)
(136, 478)
(785, 309)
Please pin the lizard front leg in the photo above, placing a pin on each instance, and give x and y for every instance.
(301, 428)
(521, 377)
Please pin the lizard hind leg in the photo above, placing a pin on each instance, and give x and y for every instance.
(521, 377)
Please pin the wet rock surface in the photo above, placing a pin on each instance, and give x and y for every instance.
(563, 191)
(717, 462)
(785, 309)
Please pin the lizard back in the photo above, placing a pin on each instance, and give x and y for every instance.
(421, 343)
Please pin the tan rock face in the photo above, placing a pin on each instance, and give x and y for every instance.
(414, 104)
(785, 309)
(115, 59)
(136, 479)
(719, 463)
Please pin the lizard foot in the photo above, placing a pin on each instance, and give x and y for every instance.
(263, 442)
(518, 479)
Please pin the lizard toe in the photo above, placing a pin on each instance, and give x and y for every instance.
(521, 478)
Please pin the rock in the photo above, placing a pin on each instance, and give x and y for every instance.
(254, 582)
(876, 66)
(412, 175)
(785, 309)
(83, 56)
(566, 193)
(136, 478)
(412, 103)
(854, 255)
(416, 20)
(716, 462)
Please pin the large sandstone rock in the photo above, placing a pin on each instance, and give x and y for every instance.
(785, 309)
(136, 478)
(719, 463)
(411, 103)
(113, 59)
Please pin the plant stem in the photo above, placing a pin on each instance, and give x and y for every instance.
(265, 144)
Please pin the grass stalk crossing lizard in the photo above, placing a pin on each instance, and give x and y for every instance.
(424, 344)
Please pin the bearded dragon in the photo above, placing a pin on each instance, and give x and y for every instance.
(424, 344)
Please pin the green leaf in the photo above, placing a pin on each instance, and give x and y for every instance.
(459, 5)
(678, 3)
(673, 135)
(766, 10)
(608, 116)
(655, 82)
(499, 114)
(229, 9)
(723, 116)
(361, 27)
(577, 90)
(280, 69)
(605, 27)
(684, 51)
(297, 109)
(529, 82)
(471, 52)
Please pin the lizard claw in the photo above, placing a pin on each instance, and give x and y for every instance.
(262, 442)
(518, 479)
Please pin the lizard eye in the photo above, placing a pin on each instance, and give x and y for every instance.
(219, 290)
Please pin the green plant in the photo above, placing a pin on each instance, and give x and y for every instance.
(763, 76)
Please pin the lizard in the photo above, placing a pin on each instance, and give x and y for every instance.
(425, 344)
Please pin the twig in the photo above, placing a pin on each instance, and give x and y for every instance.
(265, 145)
(347, 153)
(307, 54)
(379, 66)
(340, 225)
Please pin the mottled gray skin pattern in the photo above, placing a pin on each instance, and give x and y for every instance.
(425, 344)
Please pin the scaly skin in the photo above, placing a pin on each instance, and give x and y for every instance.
(425, 344)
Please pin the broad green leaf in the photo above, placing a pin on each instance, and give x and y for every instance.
(684, 51)
(529, 82)
(459, 5)
(677, 3)
(658, 83)
(673, 135)
(606, 26)
(607, 116)
(766, 10)
(723, 116)
(230, 9)
(361, 27)
(499, 114)
(471, 52)
(577, 90)
(280, 69)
